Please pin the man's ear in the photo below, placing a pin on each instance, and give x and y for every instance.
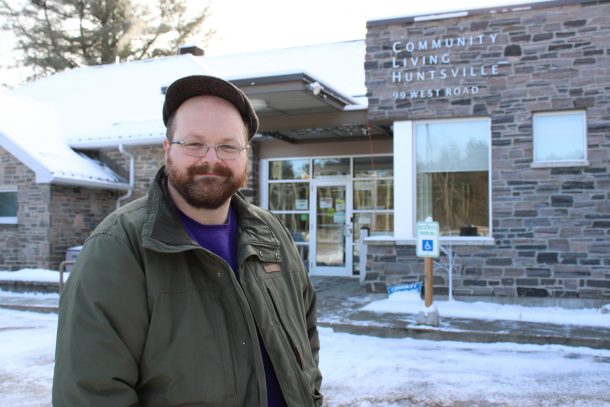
(166, 147)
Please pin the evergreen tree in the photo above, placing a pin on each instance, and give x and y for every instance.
(54, 35)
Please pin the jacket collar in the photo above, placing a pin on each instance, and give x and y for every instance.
(163, 230)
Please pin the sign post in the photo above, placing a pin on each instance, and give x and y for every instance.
(427, 247)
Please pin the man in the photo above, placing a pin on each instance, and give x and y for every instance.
(191, 295)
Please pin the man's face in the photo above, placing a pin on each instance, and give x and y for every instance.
(206, 182)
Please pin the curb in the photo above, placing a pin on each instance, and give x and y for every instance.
(29, 286)
(442, 334)
(31, 308)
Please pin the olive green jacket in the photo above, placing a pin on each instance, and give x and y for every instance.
(149, 318)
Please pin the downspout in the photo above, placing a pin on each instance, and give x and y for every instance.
(132, 182)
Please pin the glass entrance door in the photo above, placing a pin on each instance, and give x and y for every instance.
(331, 243)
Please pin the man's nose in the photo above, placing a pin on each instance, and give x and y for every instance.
(210, 155)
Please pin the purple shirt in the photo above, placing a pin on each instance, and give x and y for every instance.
(222, 241)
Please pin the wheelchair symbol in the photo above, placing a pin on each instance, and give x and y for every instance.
(427, 245)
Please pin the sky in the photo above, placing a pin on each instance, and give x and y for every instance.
(243, 26)
(367, 371)
(246, 26)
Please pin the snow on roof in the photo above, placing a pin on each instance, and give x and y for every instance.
(107, 105)
(339, 65)
(31, 131)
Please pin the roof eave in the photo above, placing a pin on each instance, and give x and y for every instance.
(95, 144)
(61, 180)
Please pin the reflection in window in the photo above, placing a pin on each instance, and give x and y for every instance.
(374, 194)
(297, 224)
(289, 169)
(373, 167)
(331, 167)
(452, 161)
(376, 223)
(289, 196)
(559, 136)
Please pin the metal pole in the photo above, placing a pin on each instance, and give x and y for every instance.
(62, 268)
(429, 281)
(450, 261)
(363, 253)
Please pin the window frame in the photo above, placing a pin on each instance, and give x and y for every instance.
(10, 220)
(405, 187)
(560, 163)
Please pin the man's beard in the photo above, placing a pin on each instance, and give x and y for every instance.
(205, 192)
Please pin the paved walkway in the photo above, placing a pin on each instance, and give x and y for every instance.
(340, 300)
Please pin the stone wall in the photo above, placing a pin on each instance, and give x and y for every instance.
(74, 213)
(51, 218)
(148, 159)
(551, 225)
(24, 244)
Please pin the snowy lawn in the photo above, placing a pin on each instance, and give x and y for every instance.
(27, 355)
(366, 371)
(408, 302)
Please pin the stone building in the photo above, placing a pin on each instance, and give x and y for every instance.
(493, 122)
(50, 196)
(501, 122)
(110, 118)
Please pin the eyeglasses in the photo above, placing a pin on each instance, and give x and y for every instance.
(223, 151)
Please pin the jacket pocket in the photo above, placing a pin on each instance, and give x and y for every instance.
(293, 346)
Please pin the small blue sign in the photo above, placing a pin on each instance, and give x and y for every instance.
(427, 245)
(413, 287)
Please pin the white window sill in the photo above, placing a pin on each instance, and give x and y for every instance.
(8, 220)
(558, 164)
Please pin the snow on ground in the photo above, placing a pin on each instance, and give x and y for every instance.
(367, 371)
(41, 275)
(409, 302)
(364, 371)
(27, 355)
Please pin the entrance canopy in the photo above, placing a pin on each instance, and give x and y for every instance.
(297, 107)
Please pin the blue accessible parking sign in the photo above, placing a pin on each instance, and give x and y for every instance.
(427, 239)
(427, 245)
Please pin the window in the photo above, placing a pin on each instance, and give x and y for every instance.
(289, 169)
(373, 195)
(8, 205)
(289, 184)
(452, 161)
(288, 198)
(331, 167)
(560, 138)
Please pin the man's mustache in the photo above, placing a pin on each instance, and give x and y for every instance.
(206, 169)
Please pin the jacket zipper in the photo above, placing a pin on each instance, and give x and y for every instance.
(292, 345)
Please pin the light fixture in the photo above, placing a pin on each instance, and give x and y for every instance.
(259, 104)
(315, 88)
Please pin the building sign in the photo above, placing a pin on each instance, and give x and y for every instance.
(416, 64)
